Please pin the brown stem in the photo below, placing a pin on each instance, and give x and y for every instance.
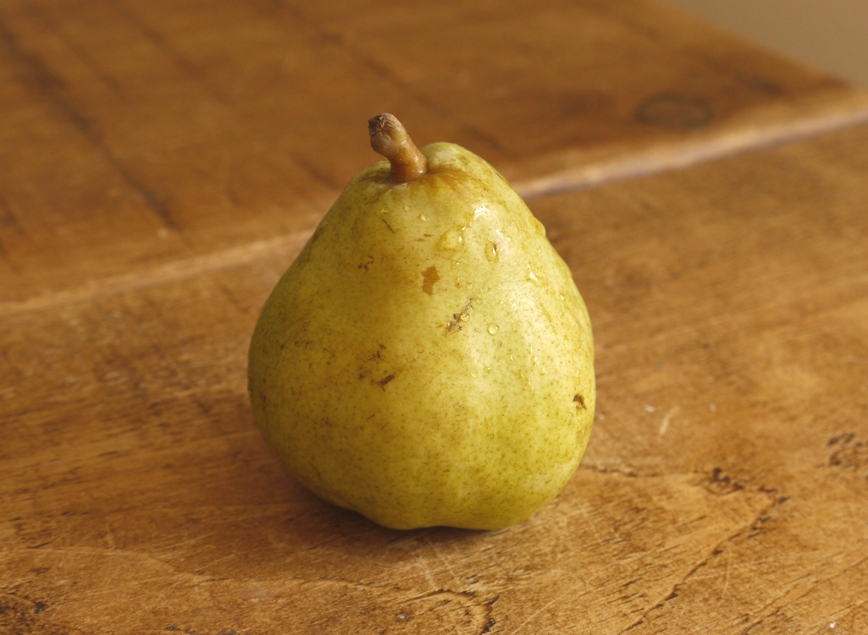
(389, 138)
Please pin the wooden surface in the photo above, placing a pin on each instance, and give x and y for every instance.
(163, 164)
(138, 134)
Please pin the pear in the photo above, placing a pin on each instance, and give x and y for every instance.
(427, 359)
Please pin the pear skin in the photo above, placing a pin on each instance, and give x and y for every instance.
(427, 359)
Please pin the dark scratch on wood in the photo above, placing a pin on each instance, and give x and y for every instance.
(673, 594)
(52, 87)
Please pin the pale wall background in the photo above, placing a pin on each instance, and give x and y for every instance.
(828, 34)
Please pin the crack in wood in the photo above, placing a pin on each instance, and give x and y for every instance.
(674, 593)
(812, 586)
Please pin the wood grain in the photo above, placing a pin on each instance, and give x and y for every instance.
(138, 134)
(723, 490)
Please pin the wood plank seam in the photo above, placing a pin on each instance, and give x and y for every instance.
(656, 161)
(170, 272)
(851, 112)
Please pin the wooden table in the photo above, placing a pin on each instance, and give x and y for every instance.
(163, 163)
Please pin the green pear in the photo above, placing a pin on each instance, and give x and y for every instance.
(427, 359)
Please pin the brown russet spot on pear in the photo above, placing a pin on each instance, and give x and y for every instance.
(429, 277)
(467, 404)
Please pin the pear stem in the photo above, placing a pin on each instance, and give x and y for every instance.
(389, 138)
